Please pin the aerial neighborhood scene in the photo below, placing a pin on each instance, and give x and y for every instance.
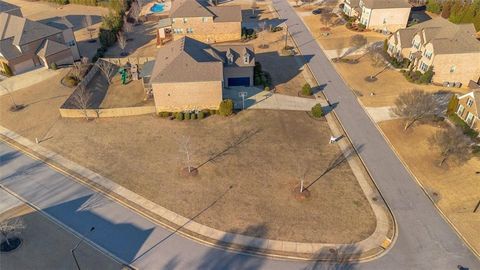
(240, 134)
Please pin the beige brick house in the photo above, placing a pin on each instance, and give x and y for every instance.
(384, 15)
(202, 22)
(451, 49)
(469, 109)
(190, 75)
(26, 45)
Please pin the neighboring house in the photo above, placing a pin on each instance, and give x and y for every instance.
(190, 75)
(451, 49)
(384, 15)
(26, 45)
(10, 9)
(202, 22)
(469, 109)
(66, 26)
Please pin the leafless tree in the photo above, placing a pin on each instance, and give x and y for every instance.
(377, 55)
(15, 106)
(106, 68)
(254, 7)
(186, 151)
(88, 26)
(415, 105)
(10, 228)
(122, 42)
(78, 69)
(452, 143)
(358, 41)
(135, 10)
(82, 99)
(326, 17)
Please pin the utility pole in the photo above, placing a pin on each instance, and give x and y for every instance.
(76, 246)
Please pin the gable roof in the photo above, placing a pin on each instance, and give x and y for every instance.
(23, 30)
(50, 47)
(186, 60)
(237, 51)
(384, 4)
(193, 8)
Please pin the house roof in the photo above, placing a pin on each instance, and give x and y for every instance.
(193, 8)
(61, 23)
(445, 36)
(50, 47)
(189, 60)
(164, 23)
(8, 50)
(23, 30)
(384, 4)
(5, 7)
(186, 60)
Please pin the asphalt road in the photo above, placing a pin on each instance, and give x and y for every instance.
(425, 240)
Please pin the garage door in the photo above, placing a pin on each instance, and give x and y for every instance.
(242, 81)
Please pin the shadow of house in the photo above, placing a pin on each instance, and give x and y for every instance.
(124, 240)
(282, 68)
(335, 259)
(78, 21)
(255, 23)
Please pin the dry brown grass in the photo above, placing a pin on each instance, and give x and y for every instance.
(128, 95)
(457, 186)
(141, 153)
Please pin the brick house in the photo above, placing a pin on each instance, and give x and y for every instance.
(385, 15)
(202, 22)
(451, 49)
(469, 108)
(26, 45)
(188, 74)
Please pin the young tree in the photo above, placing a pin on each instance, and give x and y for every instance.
(135, 10)
(452, 143)
(186, 151)
(357, 41)
(122, 42)
(15, 106)
(10, 228)
(326, 17)
(82, 99)
(415, 105)
(106, 68)
(446, 9)
(376, 54)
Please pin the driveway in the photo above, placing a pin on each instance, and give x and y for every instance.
(27, 79)
(425, 240)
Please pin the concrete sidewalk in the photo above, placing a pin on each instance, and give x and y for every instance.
(26, 79)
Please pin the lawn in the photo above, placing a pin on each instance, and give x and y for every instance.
(456, 187)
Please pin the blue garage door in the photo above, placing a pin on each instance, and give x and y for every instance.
(242, 81)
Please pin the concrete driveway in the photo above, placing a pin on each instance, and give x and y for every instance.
(27, 79)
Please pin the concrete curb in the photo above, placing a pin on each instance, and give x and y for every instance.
(190, 228)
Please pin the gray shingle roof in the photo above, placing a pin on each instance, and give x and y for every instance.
(193, 8)
(384, 4)
(50, 47)
(5, 7)
(23, 30)
(189, 60)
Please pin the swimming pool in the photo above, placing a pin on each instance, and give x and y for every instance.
(157, 8)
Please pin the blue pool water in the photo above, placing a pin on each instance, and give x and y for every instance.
(157, 8)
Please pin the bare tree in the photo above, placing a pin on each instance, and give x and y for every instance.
(15, 106)
(326, 17)
(89, 27)
(358, 41)
(82, 99)
(186, 151)
(135, 10)
(377, 55)
(254, 7)
(122, 42)
(106, 68)
(452, 143)
(78, 69)
(415, 105)
(10, 228)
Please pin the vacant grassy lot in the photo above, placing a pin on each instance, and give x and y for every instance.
(457, 186)
(263, 156)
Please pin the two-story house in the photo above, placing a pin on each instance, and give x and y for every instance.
(190, 75)
(451, 49)
(469, 109)
(10, 9)
(26, 45)
(202, 22)
(385, 15)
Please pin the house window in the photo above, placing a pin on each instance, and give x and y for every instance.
(452, 69)
(246, 58)
(469, 102)
(423, 66)
(205, 19)
(460, 110)
(185, 20)
(178, 30)
(189, 30)
(428, 54)
(469, 118)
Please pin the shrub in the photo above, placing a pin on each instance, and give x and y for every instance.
(467, 130)
(452, 105)
(307, 90)
(193, 116)
(164, 114)
(212, 112)
(317, 111)
(276, 29)
(71, 81)
(226, 107)
(53, 66)
(107, 37)
(179, 116)
(426, 77)
(187, 116)
(361, 26)
(266, 89)
(201, 114)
